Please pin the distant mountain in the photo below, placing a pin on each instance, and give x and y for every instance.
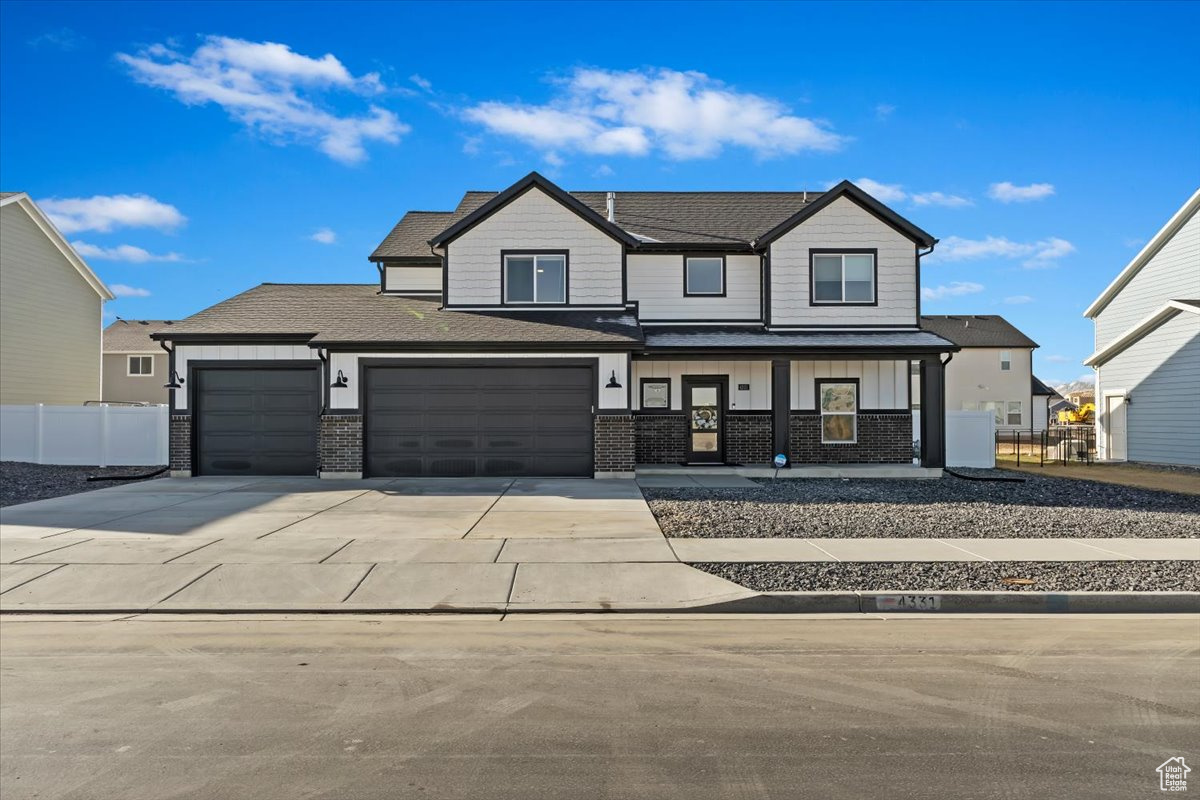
(1075, 386)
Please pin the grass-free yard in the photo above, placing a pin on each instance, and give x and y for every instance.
(1142, 476)
(21, 482)
(1041, 507)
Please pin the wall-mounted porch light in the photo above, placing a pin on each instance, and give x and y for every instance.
(613, 383)
(176, 382)
(340, 383)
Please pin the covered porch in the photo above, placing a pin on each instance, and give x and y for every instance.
(834, 403)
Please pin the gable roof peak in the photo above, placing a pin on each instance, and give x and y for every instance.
(853, 193)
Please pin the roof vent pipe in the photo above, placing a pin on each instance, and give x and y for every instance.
(611, 201)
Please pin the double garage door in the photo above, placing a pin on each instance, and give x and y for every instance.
(418, 420)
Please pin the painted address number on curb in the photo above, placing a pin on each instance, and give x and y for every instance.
(908, 602)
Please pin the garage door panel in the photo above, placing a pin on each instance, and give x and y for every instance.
(482, 420)
(256, 421)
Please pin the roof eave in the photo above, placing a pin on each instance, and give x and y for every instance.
(866, 201)
(25, 203)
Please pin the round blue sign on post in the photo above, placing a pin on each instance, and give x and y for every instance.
(780, 461)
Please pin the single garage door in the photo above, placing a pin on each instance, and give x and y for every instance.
(482, 420)
(256, 421)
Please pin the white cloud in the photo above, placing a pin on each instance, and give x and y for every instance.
(263, 86)
(1007, 192)
(602, 171)
(884, 110)
(884, 192)
(955, 289)
(122, 252)
(553, 159)
(684, 115)
(64, 39)
(324, 236)
(941, 199)
(1018, 299)
(104, 213)
(1057, 359)
(1040, 254)
(121, 290)
(423, 83)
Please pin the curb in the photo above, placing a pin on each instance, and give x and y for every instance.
(761, 603)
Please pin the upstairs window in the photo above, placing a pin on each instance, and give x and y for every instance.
(142, 366)
(847, 278)
(704, 275)
(535, 278)
(1005, 360)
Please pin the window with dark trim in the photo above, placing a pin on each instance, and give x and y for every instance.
(837, 402)
(535, 278)
(140, 366)
(843, 278)
(656, 393)
(704, 276)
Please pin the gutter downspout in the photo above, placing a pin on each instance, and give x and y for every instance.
(445, 277)
(170, 373)
(379, 266)
(921, 255)
(323, 354)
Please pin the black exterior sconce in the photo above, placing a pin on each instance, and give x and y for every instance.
(176, 382)
(612, 381)
(340, 383)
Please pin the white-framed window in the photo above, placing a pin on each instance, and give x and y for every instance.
(535, 278)
(843, 278)
(1014, 412)
(839, 411)
(703, 275)
(1005, 360)
(140, 366)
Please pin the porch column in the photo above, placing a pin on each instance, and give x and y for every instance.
(933, 412)
(781, 404)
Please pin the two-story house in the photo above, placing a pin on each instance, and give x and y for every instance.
(536, 331)
(992, 372)
(1147, 357)
(135, 366)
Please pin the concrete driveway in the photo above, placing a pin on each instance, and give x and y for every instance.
(204, 544)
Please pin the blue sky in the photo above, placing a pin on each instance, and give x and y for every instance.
(195, 150)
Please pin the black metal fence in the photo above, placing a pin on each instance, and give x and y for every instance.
(1060, 444)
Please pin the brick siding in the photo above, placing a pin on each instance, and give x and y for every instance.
(882, 439)
(179, 449)
(661, 438)
(748, 439)
(614, 443)
(341, 443)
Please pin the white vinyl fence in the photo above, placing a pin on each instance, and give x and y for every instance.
(84, 435)
(970, 438)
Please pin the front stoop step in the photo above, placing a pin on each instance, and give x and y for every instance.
(906, 471)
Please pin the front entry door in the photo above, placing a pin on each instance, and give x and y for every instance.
(704, 401)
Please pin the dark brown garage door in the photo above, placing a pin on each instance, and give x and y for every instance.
(256, 421)
(483, 420)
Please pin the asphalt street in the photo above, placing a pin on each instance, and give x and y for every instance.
(599, 706)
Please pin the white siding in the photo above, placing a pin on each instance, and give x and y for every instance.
(656, 282)
(843, 224)
(882, 384)
(974, 376)
(233, 352)
(1161, 376)
(413, 279)
(1173, 273)
(534, 221)
(755, 373)
(49, 320)
(609, 363)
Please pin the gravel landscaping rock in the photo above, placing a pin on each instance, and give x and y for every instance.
(23, 483)
(947, 576)
(946, 508)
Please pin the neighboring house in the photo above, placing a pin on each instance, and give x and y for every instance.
(1043, 395)
(1147, 357)
(135, 366)
(1059, 403)
(992, 372)
(1082, 397)
(539, 332)
(51, 304)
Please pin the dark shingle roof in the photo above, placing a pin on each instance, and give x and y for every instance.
(357, 313)
(133, 335)
(6, 195)
(1040, 389)
(701, 337)
(976, 330)
(704, 218)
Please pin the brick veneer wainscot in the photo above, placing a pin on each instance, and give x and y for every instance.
(614, 443)
(882, 439)
(748, 439)
(179, 449)
(341, 443)
(661, 438)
